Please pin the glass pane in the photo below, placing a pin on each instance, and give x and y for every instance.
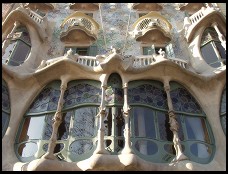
(84, 122)
(63, 130)
(180, 130)
(119, 122)
(81, 93)
(148, 94)
(5, 120)
(20, 54)
(146, 147)
(144, 122)
(80, 147)
(221, 50)
(108, 122)
(5, 98)
(201, 150)
(223, 122)
(32, 128)
(223, 102)
(183, 101)
(164, 126)
(27, 149)
(196, 129)
(58, 147)
(170, 149)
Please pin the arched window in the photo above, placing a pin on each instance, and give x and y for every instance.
(151, 137)
(76, 137)
(114, 122)
(195, 133)
(223, 110)
(36, 127)
(212, 50)
(5, 108)
(18, 49)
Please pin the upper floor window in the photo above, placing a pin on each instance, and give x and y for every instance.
(5, 108)
(212, 50)
(223, 110)
(149, 50)
(18, 49)
(83, 51)
(76, 133)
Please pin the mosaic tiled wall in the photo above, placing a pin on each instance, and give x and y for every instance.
(115, 21)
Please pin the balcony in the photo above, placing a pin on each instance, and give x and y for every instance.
(79, 27)
(152, 28)
(26, 16)
(84, 6)
(147, 6)
(202, 18)
(189, 7)
(44, 7)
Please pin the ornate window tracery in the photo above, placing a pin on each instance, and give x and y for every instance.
(223, 110)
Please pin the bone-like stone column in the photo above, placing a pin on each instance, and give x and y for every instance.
(220, 35)
(174, 127)
(126, 109)
(100, 142)
(57, 121)
(6, 42)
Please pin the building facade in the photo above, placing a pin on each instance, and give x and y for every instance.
(114, 86)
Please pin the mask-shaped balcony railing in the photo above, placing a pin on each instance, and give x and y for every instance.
(152, 21)
(80, 21)
(191, 22)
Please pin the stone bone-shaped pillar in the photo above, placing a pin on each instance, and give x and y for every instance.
(174, 127)
(127, 145)
(57, 121)
(100, 142)
(6, 42)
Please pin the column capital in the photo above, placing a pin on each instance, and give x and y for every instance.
(125, 85)
(214, 24)
(63, 86)
(104, 86)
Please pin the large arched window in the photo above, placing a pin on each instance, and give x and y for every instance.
(195, 133)
(18, 49)
(76, 137)
(36, 127)
(114, 122)
(151, 137)
(223, 110)
(212, 50)
(5, 108)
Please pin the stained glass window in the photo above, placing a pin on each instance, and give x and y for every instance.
(5, 107)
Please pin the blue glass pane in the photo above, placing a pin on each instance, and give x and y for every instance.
(27, 149)
(84, 122)
(63, 130)
(48, 127)
(164, 127)
(47, 100)
(201, 150)
(5, 121)
(146, 147)
(223, 122)
(148, 94)
(80, 147)
(183, 101)
(196, 129)
(5, 98)
(81, 93)
(144, 125)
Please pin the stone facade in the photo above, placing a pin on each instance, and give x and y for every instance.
(117, 52)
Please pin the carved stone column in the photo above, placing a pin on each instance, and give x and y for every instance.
(174, 127)
(220, 35)
(8, 38)
(57, 121)
(127, 145)
(100, 142)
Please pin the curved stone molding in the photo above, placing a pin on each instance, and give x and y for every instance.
(45, 7)
(27, 16)
(152, 28)
(189, 7)
(147, 6)
(84, 6)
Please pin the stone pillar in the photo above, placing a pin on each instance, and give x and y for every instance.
(127, 144)
(174, 127)
(57, 121)
(220, 35)
(6, 42)
(100, 135)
